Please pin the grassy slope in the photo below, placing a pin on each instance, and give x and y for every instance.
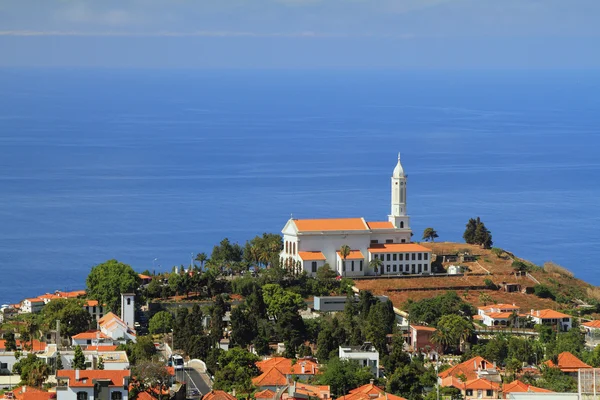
(501, 271)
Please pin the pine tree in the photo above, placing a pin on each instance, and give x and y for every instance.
(469, 234)
(78, 358)
(100, 363)
(59, 364)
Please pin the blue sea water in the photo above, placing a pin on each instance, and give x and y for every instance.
(142, 164)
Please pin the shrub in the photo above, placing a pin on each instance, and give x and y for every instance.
(520, 266)
(497, 251)
(490, 284)
(593, 293)
(544, 292)
(557, 269)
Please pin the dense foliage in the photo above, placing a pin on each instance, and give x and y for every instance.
(108, 280)
(477, 233)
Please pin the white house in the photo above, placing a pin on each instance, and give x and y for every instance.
(115, 328)
(366, 355)
(91, 338)
(498, 314)
(92, 385)
(592, 332)
(310, 243)
(32, 305)
(550, 317)
(95, 309)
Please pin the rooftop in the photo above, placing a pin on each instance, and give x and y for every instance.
(398, 248)
(331, 224)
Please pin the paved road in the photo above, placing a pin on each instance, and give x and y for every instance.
(197, 380)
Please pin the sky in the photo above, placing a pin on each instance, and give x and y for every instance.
(424, 34)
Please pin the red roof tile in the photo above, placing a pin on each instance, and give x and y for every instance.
(595, 324)
(311, 256)
(567, 362)
(264, 394)
(519, 387)
(87, 377)
(331, 224)
(353, 255)
(380, 225)
(398, 248)
(272, 377)
(468, 368)
(218, 395)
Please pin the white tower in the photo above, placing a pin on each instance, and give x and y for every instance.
(128, 309)
(398, 217)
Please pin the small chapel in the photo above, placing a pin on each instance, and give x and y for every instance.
(310, 243)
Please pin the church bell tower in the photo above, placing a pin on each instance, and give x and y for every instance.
(398, 217)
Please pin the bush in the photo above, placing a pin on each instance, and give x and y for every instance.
(544, 292)
(490, 284)
(497, 251)
(520, 266)
(557, 269)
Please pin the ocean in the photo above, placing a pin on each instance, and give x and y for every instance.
(140, 165)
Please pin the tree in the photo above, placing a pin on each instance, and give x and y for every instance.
(344, 375)
(108, 280)
(244, 327)
(10, 343)
(100, 363)
(236, 368)
(73, 317)
(485, 298)
(59, 364)
(201, 258)
(226, 252)
(344, 252)
(78, 359)
(557, 381)
(280, 301)
(452, 330)
(477, 233)
(376, 264)
(33, 370)
(161, 322)
(430, 234)
(405, 381)
(152, 375)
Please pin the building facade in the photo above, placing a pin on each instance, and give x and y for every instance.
(310, 243)
(366, 356)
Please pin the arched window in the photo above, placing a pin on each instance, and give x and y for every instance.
(401, 224)
(294, 248)
(286, 247)
(129, 301)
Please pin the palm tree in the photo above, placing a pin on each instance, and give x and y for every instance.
(201, 258)
(376, 264)
(265, 256)
(429, 234)
(344, 252)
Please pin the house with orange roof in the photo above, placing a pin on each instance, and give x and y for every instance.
(94, 308)
(115, 328)
(218, 395)
(499, 314)
(592, 332)
(568, 363)
(561, 321)
(369, 392)
(29, 393)
(266, 394)
(521, 387)
(92, 384)
(310, 243)
(474, 368)
(278, 372)
(90, 338)
(477, 388)
(31, 305)
(304, 391)
(418, 341)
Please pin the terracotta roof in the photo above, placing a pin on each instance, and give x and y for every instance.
(332, 224)
(354, 255)
(567, 362)
(285, 366)
(311, 256)
(499, 315)
(144, 277)
(218, 395)
(398, 248)
(481, 384)
(91, 303)
(35, 346)
(88, 376)
(76, 293)
(35, 300)
(548, 314)
(272, 377)
(380, 225)
(264, 394)
(592, 324)
(369, 392)
(90, 335)
(107, 317)
(423, 328)
(519, 387)
(477, 317)
(467, 368)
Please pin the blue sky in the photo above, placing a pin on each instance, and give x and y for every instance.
(434, 34)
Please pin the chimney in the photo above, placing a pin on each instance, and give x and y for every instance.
(24, 388)
(371, 381)
(76, 374)
(303, 365)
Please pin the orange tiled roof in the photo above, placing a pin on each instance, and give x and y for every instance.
(369, 391)
(423, 328)
(36, 345)
(87, 377)
(35, 300)
(592, 324)
(500, 315)
(467, 368)
(311, 256)
(354, 255)
(144, 277)
(284, 365)
(567, 362)
(331, 224)
(481, 384)
(73, 294)
(519, 387)
(90, 335)
(91, 303)
(218, 395)
(265, 394)
(380, 225)
(548, 314)
(398, 248)
(272, 377)
(311, 390)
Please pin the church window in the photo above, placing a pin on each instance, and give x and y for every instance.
(374, 241)
(413, 268)
(425, 268)
(361, 265)
(129, 301)
(425, 256)
(286, 247)
(314, 266)
(352, 266)
(388, 257)
(420, 256)
(401, 224)
(394, 267)
(420, 268)
(400, 256)
(413, 256)
(394, 256)
(403, 241)
(294, 248)
(388, 267)
(389, 240)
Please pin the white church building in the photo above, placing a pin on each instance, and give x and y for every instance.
(310, 243)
